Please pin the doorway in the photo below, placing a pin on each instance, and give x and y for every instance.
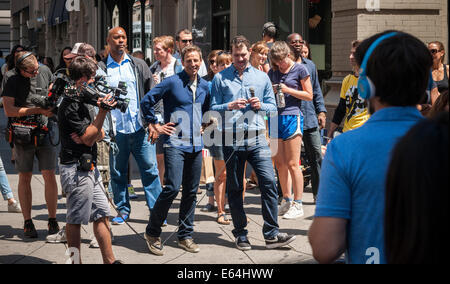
(221, 24)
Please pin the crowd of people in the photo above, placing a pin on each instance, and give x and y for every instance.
(254, 105)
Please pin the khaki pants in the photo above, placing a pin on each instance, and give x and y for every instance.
(103, 149)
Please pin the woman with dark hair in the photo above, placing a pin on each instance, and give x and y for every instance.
(417, 188)
(48, 61)
(217, 154)
(212, 65)
(11, 60)
(306, 51)
(64, 63)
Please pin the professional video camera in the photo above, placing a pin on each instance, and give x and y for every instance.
(64, 87)
(100, 89)
(52, 99)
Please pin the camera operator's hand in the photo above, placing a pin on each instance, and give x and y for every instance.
(106, 103)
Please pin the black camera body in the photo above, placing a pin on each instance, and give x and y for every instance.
(64, 87)
(100, 89)
(52, 99)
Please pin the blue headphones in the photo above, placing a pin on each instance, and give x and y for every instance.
(366, 88)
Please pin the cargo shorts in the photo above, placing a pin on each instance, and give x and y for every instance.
(86, 199)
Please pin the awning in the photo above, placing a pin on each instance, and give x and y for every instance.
(58, 13)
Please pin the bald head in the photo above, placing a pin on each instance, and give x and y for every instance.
(117, 41)
(293, 36)
(116, 30)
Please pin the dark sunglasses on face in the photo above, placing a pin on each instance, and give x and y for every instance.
(222, 52)
(212, 62)
(434, 51)
(187, 40)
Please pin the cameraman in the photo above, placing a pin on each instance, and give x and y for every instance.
(80, 178)
(20, 85)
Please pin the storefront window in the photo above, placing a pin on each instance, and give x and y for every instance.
(201, 24)
(280, 12)
(319, 35)
(148, 30)
(137, 29)
(221, 24)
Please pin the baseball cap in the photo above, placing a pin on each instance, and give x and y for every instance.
(81, 49)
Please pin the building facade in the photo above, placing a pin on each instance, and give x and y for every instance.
(5, 20)
(329, 25)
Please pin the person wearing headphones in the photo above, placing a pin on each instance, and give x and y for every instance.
(349, 217)
(269, 36)
(20, 85)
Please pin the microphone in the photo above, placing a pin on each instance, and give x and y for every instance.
(252, 92)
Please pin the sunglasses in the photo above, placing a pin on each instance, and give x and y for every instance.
(187, 41)
(212, 62)
(35, 71)
(223, 52)
(434, 51)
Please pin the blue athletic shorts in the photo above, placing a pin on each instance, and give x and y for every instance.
(289, 126)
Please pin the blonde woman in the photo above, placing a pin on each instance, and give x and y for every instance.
(440, 70)
(294, 81)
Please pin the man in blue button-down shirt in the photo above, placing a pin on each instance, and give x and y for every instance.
(131, 135)
(185, 98)
(314, 113)
(243, 94)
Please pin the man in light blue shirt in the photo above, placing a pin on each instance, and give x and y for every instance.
(243, 95)
(131, 134)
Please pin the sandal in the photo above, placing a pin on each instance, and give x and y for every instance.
(223, 220)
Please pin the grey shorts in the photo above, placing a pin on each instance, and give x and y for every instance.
(24, 155)
(86, 200)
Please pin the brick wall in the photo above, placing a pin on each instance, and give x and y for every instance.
(426, 19)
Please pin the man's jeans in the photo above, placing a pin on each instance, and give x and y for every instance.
(145, 154)
(313, 148)
(4, 184)
(181, 169)
(261, 162)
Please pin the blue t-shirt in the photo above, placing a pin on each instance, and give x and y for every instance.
(292, 80)
(352, 184)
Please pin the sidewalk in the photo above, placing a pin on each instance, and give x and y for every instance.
(216, 241)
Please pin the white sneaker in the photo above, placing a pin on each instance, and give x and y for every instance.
(296, 211)
(284, 207)
(94, 242)
(57, 238)
(14, 208)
